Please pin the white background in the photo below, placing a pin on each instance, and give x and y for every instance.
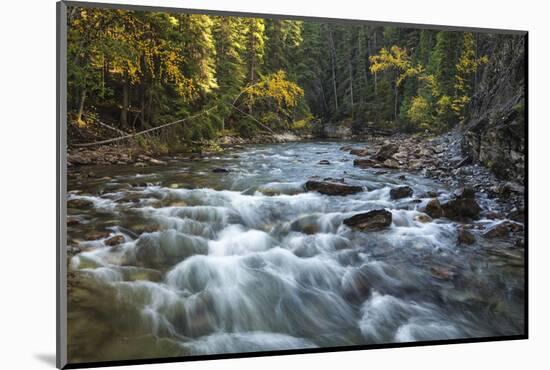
(27, 193)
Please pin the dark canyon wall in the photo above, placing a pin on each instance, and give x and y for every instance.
(494, 132)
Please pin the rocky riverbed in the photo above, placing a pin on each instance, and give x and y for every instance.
(291, 245)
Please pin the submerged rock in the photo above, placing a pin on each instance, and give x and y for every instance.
(502, 229)
(79, 203)
(324, 161)
(466, 192)
(375, 220)
(465, 237)
(95, 235)
(441, 273)
(220, 170)
(433, 208)
(356, 286)
(332, 179)
(114, 240)
(157, 162)
(332, 188)
(359, 152)
(401, 192)
(364, 163)
(423, 218)
(72, 221)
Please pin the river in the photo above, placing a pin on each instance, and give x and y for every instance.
(247, 260)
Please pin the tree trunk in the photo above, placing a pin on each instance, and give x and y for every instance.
(351, 85)
(125, 101)
(142, 114)
(81, 105)
(375, 74)
(333, 64)
(395, 103)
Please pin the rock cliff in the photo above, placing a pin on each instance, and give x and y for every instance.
(494, 129)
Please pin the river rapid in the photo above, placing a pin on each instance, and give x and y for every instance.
(213, 262)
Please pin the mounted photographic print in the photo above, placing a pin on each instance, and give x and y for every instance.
(236, 184)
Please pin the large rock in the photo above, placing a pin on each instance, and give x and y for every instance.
(364, 163)
(433, 208)
(457, 208)
(332, 188)
(461, 208)
(79, 203)
(386, 151)
(375, 220)
(465, 237)
(401, 192)
(502, 229)
(465, 192)
(114, 240)
(391, 163)
(359, 152)
(494, 129)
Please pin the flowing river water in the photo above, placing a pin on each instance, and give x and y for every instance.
(249, 261)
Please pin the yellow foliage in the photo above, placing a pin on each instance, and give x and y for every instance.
(419, 111)
(275, 86)
(395, 59)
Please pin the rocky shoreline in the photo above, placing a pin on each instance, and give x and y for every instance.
(441, 159)
(127, 154)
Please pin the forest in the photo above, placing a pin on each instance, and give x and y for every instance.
(137, 70)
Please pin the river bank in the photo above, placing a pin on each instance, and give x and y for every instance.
(133, 154)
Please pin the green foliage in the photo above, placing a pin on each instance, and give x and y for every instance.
(247, 128)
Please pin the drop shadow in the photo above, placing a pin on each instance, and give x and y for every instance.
(46, 358)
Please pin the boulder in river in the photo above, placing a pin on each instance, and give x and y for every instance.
(391, 163)
(502, 229)
(465, 192)
(332, 188)
(71, 221)
(422, 218)
(460, 208)
(332, 179)
(324, 161)
(465, 237)
(114, 240)
(441, 273)
(375, 220)
(386, 151)
(433, 208)
(364, 163)
(95, 235)
(356, 286)
(157, 162)
(79, 203)
(361, 152)
(401, 192)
